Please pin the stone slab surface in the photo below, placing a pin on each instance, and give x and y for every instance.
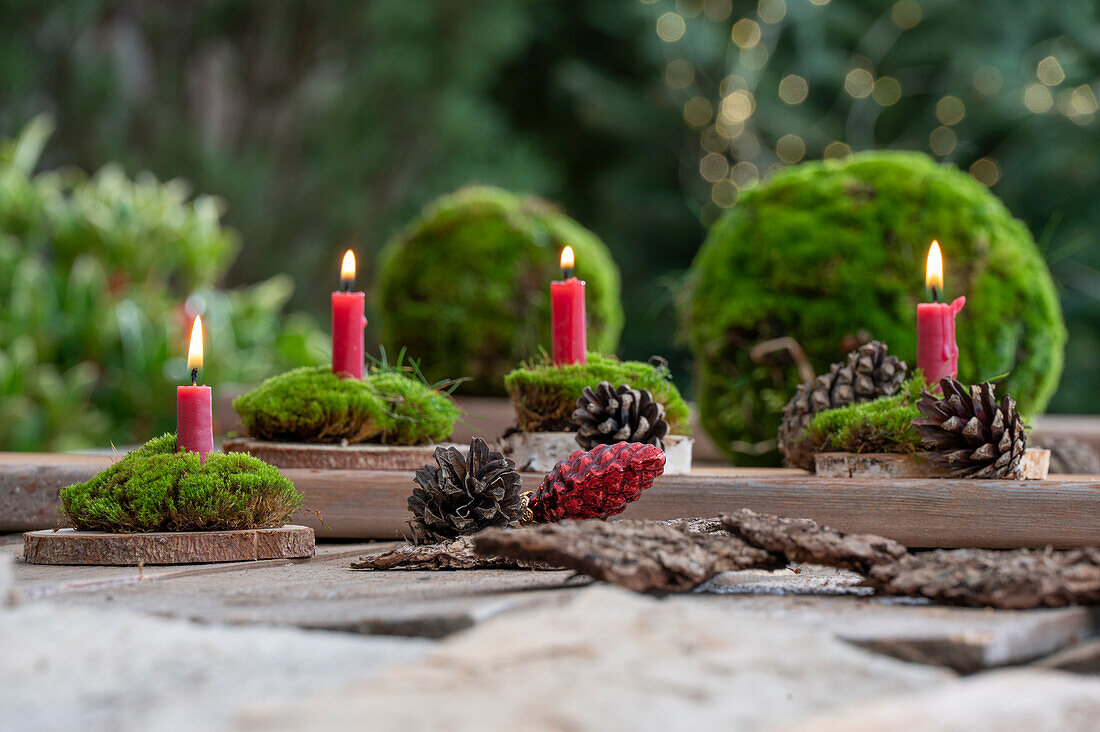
(1037, 701)
(68, 667)
(964, 639)
(1083, 658)
(607, 659)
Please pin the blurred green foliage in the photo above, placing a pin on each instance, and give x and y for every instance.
(329, 125)
(94, 276)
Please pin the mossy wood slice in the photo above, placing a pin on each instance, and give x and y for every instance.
(335, 457)
(1035, 465)
(69, 546)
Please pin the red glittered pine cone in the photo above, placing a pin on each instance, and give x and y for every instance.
(596, 484)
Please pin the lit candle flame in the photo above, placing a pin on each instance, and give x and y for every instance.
(347, 270)
(194, 351)
(568, 261)
(933, 277)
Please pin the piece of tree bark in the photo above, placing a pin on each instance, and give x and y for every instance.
(803, 540)
(456, 554)
(643, 556)
(1018, 579)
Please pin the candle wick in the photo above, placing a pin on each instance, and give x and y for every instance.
(194, 377)
(935, 294)
(567, 273)
(345, 285)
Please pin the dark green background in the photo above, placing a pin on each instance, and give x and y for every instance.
(327, 125)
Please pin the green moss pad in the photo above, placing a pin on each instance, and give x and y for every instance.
(883, 425)
(155, 488)
(312, 404)
(545, 395)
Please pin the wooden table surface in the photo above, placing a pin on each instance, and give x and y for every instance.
(1062, 512)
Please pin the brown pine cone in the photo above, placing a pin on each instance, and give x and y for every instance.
(606, 416)
(460, 496)
(969, 433)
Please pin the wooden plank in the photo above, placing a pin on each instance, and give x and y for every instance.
(1062, 512)
(68, 546)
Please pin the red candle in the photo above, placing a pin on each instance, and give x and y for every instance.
(348, 323)
(567, 319)
(194, 416)
(937, 351)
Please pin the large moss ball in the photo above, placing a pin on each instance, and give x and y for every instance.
(466, 287)
(833, 253)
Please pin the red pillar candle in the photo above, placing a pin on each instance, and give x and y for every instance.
(194, 416)
(567, 318)
(348, 323)
(937, 350)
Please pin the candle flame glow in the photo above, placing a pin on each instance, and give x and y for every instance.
(194, 352)
(933, 273)
(567, 259)
(347, 268)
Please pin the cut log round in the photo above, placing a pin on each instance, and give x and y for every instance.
(335, 457)
(1035, 465)
(68, 546)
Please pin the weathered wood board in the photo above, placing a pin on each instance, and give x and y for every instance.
(68, 546)
(334, 457)
(1034, 465)
(1062, 512)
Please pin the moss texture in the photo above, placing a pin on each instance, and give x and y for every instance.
(882, 425)
(832, 252)
(466, 286)
(545, 395)
(312, 404)
(155, 488)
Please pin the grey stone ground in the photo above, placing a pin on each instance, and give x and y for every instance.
(314, 645)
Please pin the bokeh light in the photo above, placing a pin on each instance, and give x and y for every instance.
(906, 14)
(671, 27)
(988, 80)
(745, 33)
(950, 110)
(698, 111)
(859, 83)
(942, 141)
(986, 171)
(790, 149)
(713, 167)
(793, 89)
(772, 11)
(1050, 72)
(679, 74)
(1037, 98)
(836, 150)
(886, 91)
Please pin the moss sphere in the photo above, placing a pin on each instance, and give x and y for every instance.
(833, 253)
(312, 404)
(156, 488)
(466, 286)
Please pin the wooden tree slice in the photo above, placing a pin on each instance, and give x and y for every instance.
(1035, 462)
(335, 457)
(69, 546)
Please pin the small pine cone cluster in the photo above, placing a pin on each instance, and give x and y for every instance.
(970, 433)
(866, 374)
(459, 496)
(606, 415)
(596, 484)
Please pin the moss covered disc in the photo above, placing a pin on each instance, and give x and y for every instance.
(311, 404)
(832, 253)
(466, 286)
(156, 488)
(545, 395)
